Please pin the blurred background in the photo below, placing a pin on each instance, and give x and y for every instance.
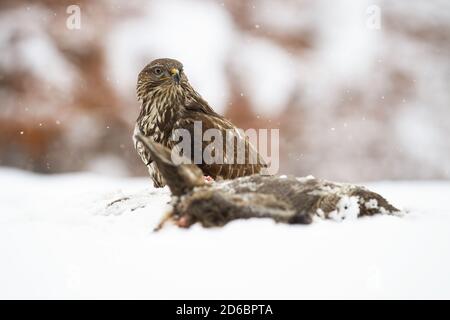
(355, 97)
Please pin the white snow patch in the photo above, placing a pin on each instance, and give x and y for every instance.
(372, 204)
(304, 179)
(347, 208)
(60, 239)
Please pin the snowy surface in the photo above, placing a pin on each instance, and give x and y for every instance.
(58, 239)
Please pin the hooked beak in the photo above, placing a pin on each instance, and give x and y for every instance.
(175, 75)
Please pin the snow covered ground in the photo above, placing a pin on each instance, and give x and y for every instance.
(58, 239)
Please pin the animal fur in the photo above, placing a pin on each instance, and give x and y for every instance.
(284, 199)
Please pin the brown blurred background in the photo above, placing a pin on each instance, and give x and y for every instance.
(353, 101)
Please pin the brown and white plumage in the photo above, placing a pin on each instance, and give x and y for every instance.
(168, 102)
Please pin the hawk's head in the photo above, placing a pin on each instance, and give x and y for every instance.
(164, 73)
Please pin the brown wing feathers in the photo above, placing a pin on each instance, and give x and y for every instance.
(169, 102)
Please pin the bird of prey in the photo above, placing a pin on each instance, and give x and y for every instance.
(169, 102)
(284, 199)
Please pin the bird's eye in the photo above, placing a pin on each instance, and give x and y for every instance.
(157, 71)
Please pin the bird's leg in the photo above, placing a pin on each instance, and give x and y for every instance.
(168, 216)
(184, 221)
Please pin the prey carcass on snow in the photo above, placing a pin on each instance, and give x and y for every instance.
(284, 199)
